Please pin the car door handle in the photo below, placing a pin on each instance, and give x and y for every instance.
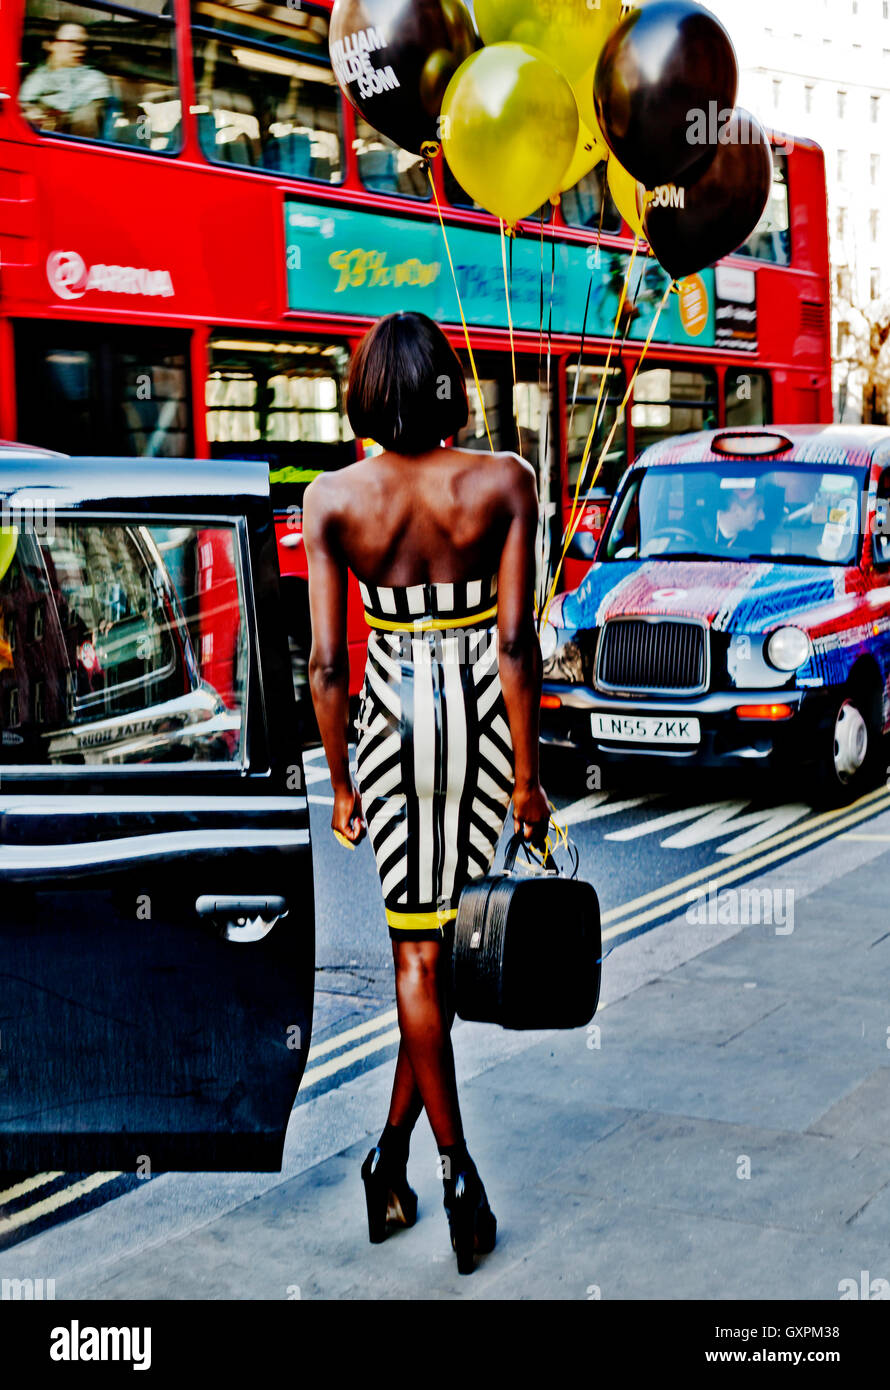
(242, 919)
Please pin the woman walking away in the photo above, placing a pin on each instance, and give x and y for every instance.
(442, 542)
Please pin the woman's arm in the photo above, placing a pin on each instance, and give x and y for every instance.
(520, 651)
(329, 658)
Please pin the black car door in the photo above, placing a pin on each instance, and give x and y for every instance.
(156, 896)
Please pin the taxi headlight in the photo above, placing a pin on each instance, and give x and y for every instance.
(788, 648)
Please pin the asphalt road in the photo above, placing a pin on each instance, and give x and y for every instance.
(648, 845)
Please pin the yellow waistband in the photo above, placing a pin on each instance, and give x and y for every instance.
(431, 624)
(420, 921)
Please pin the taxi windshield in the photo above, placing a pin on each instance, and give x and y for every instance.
(758, 510)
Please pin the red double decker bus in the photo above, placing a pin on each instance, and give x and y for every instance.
(196, 229)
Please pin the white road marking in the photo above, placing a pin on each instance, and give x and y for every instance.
(654, 827)
(596, 806)
(763, 824)
(715, 820)
(317, 774)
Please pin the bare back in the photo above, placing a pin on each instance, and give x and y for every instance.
(441, 517)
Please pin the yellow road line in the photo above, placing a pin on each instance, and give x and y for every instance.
(21, 1189)
(361, 1030)
(791, 833)
(59, 1199)
(716, 873)
(313, 1074)
(884, 839)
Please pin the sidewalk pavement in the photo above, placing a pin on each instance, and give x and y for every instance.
(723, 1134)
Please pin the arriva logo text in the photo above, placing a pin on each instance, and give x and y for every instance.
(70, 277)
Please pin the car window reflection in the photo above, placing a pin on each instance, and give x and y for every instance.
(121, 644)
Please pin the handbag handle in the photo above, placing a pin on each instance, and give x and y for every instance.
(518, 842)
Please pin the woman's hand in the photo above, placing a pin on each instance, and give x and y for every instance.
(347, 819)
(531, 814)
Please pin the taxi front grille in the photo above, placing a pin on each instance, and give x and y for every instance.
(653, 656)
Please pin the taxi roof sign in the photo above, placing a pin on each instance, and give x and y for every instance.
(761, 445)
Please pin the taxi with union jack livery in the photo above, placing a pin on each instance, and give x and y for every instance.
(737, 612)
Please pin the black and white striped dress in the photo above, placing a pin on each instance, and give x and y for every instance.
(435, 758)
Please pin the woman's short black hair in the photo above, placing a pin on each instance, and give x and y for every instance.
(406, 386)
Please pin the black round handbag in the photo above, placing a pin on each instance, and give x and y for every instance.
(527, 949)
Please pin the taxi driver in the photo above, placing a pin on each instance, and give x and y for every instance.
(742, 513)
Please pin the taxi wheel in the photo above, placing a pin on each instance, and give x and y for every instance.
(849, 755)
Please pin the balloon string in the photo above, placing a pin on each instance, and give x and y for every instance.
(512, 342)
(540, 546)
(541, 328)
(617, 421)
(624, 337)
(599, 229)
(601, 397)
(547, 407)
(460, 307)
(580, 354)
(600, 402)
(572, 526)
(596, 266)
(545, 386)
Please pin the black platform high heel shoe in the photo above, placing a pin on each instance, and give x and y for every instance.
(387, 1194)
(472, 1222)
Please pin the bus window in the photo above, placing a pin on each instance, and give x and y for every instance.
(281, 402)
(474, 435)
(771, 238)
(95, 390)
(102, 71)
(385, 168)
(532, 406)
(582, 204)
(672, 401)
(266, 95)
(748, 398)
(579, 421)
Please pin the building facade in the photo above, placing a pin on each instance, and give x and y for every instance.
(821, 69)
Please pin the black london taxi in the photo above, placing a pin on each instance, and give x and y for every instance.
(156, 894)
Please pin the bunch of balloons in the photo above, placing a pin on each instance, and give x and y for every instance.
(529, 99)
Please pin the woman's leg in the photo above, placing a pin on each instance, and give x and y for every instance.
(425, 1019)
(406, 1104)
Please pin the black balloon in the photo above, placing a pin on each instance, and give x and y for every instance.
(691, 227)
(663, 71)
(394, 59)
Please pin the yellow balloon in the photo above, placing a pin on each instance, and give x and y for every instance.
(628, 195)
(572, 33)
(589, 150)
(509, 129)
(9, 539)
